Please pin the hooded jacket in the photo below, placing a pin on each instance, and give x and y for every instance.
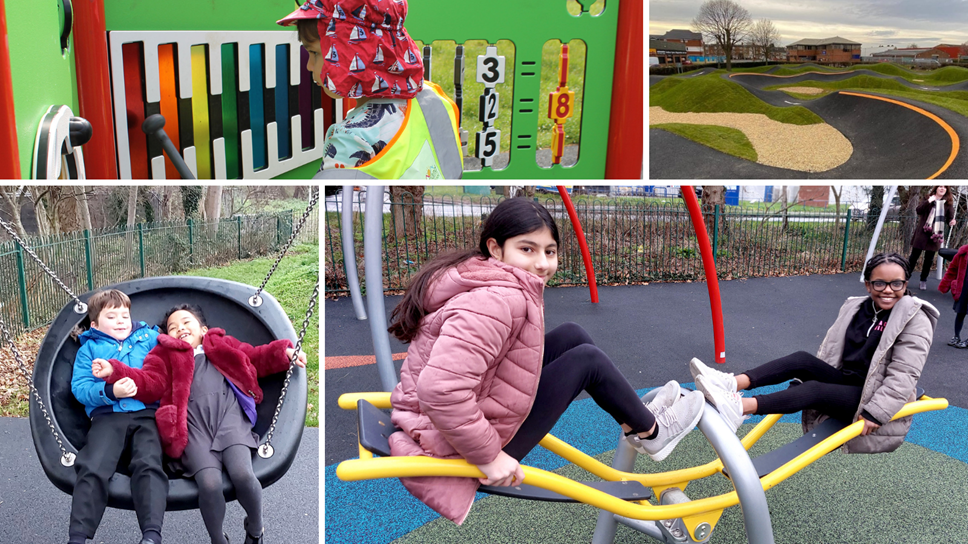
(954, 277)
(169, 369)
(470, 376)
(95, 394)
(894, 370)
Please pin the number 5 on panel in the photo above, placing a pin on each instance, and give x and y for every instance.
(488, 144)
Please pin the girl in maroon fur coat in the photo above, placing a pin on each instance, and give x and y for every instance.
(208, 386)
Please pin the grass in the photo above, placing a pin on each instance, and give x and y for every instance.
(956, 101)
(292, 285)
(711, 93)
(727, 140)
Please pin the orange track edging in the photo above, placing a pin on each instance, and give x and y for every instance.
(955, 141)
(347, 361)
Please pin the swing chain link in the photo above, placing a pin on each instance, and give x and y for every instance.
(67, 458)
(256, 300)
(265, 450)
(80, 307)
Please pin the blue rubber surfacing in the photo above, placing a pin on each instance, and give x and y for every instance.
(378, 511)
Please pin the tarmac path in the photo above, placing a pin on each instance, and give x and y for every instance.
(33, 511)
(893, 138)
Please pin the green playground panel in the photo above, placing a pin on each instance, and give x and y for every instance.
(528, 24)
(33, 36)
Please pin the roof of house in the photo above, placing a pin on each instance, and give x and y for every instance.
(681, 34)
(907, 52)
(672, 47)
(825, 41)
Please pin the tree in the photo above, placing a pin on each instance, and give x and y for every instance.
(14, 198)
(713, 195)
(213, 203)
(833, 189)
(763, 37)
(406, 203)
(725, 22)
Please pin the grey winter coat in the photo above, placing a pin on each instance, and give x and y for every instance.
(893, 374)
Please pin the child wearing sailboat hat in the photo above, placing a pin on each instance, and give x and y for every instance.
(403, 126)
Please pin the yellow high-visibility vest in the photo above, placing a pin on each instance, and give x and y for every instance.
(426, 146)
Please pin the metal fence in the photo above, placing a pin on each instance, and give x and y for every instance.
(88, 260)
(630, 240)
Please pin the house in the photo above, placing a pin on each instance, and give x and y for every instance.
(914, 55)
(835, 50)
(667, 52)
(692, 40)
(955, 51)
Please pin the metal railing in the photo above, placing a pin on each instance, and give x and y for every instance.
(631, 240)
(88, 260)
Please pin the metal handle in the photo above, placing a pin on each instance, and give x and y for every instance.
(68, 24)
(154, 126)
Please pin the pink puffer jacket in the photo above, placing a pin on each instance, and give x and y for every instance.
(470, 376)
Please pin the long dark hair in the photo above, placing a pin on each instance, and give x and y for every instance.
(888, 258)
(510, 218)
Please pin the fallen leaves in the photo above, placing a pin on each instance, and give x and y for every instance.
(14, 390)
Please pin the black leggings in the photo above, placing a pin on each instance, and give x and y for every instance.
(824, 388)
(572, 364)
(238, 463)
(959, 322)
(926, 267)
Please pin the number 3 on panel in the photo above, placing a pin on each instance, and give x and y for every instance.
(490, 67)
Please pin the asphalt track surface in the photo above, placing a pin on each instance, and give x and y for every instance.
(33, 511)
(890, 141)
(651, 332)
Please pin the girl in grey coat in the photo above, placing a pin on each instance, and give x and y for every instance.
(867, 367)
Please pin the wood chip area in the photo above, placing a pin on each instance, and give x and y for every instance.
(802, 90)
(806, 148)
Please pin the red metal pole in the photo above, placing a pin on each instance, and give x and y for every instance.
(709, 266)
(9, 154)
(94, 87)
(625, 137)
(585, 255)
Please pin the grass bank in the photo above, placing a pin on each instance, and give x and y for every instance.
(725, 139)
(713, 94)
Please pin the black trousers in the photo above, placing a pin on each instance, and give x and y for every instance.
(572, 363)
(928, 262)
(824, 388)
(111, 436)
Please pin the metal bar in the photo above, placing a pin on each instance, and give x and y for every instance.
(585, 255)
(141, 247)
(843, 256)
(712, 282)
(715, 232)
(877, 229)
(88, 260)
(238, 224)
(349, 252)
(373, 271)
(22, 282)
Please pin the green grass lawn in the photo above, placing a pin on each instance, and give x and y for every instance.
(725, 139)
(956, 101)
(711, 93)
(292, 285)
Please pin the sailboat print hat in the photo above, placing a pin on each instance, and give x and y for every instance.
(367, 50)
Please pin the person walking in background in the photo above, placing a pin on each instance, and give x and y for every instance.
(954, 281)
(933, 213)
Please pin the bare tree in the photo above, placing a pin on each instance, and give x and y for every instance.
(763, 37)
(213, 202)
(833, 189)
(406, 203)
(82, 207)
(13, 197)
(37, 194)
(725, 22)
(712, 195)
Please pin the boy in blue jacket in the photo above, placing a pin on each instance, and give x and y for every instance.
(119, 423)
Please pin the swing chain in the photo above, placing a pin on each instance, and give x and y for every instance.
(265, 450)
(67, 458)
(80, 307)
(256, 300)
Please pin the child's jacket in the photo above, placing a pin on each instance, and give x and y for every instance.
(95, 394)
(954, 277)
(169, 369)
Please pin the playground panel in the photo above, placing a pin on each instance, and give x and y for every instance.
(254, 66)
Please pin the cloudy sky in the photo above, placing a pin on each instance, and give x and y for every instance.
(877, 24)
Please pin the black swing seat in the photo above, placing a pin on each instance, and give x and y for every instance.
(225, 304)
(374, 428)
(770, 461)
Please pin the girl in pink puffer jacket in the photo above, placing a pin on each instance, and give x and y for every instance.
(482, 381)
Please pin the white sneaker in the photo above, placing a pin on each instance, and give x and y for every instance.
(664, 399)
(723, 380)
(674, 423)
(729, 404)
